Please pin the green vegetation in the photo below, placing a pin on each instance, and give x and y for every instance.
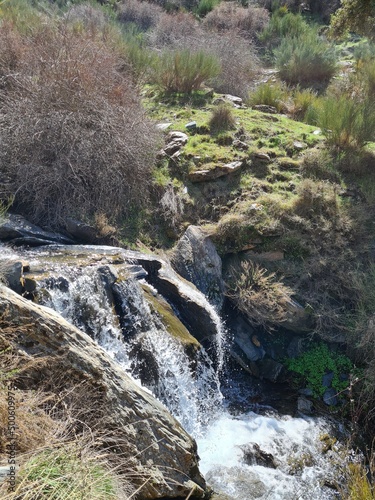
(318, 361)
(305, 59)
(184, 71)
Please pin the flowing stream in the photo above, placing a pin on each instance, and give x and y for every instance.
(120, 318)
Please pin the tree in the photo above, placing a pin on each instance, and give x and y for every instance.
(355, 15)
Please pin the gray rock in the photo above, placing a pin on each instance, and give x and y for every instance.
(253, 455)
(157, 444)
(264, 108)
(196, 259)
(306, 391)
(270, 370)
(13, 275)
(304, 405)
(19, 231)
(216, 172)
(242, 336)
(330, 397)
(81, 231)
(244, 484)
(296, 347)
(191, 126)
(327, 379)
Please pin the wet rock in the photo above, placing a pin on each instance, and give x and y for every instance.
(162, 451)
(327, 379)
(270, 370)
(13, 275)
(253, 455)
(330, 397)
(191, 126)
(196, 259)
(244, 484)
(81, 231)
(19, 231)
(242, 336)
(304, 405)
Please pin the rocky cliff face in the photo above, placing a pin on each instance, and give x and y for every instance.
(165, 454)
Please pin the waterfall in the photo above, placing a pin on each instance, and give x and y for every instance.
(83, 287)
(133, 336)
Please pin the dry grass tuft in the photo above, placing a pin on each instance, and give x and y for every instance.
(259, 294)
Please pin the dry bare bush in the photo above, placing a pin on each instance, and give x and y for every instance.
(179, 30)
(91, 18)
(12, 51)
(75, 139)
(237, 58)
(258, 294)
(143, 14)
(229, 17)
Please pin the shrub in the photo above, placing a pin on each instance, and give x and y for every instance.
(183, 71)
(346, 122)
(283, 24)
(237, 58)
(271, 94)
(176, 31)
(258, 294)
(205, 6)
(144, 15)
(238, 61)
(303, 101)
(316, 198)
(75, 139)
(305, 59)
(222, 118)
(231, 17)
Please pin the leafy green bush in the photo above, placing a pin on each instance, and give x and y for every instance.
(183, 71)
(305, 59)
(318, 361)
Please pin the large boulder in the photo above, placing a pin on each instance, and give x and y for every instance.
(164, 452)
(195, 258)
(19, 231)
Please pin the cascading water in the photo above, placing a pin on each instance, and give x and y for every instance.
(189, 388)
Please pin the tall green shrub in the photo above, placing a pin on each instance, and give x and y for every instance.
(282, 24)
(305, 59)
(184, 71)
(346, 122)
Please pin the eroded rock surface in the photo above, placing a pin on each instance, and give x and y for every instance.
(163, 450)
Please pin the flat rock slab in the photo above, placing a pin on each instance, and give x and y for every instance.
(216, 172)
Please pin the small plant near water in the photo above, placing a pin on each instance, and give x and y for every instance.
(312, 365)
